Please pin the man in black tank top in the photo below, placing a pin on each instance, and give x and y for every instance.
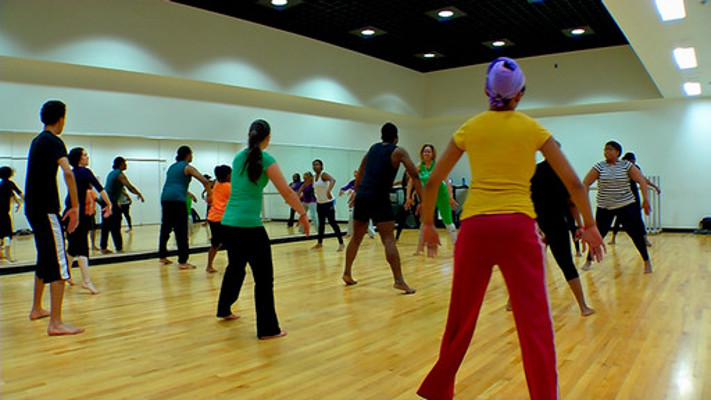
(372, 201)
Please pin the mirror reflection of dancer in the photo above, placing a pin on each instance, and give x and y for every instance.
(220, 195)
(174, 205)
(47, 154)
(116, 180)
(244, 235)
(78, 247)
(295, 184)
(325, 207)
(498, 216)
(308, 200)
(445, 196)
(372, 201)
(635, 191)
(615, 199)
(9, 192)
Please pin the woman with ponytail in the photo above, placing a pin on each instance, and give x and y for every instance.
(244, 236)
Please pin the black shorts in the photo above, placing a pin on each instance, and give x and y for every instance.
(5, 226)
(49, 241)
(379, 210)
(79, 239)
(216, 238)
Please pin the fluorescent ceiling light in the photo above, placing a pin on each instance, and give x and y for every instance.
(429, 55)
(685, 57)
(692, 88)
(367, 32)
(498, 43)
(279, 3)
(670, 10)
(577, 31)
(446, 14)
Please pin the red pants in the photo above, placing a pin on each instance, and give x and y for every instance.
(511, 242)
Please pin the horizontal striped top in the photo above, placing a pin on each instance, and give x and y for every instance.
(613, 187)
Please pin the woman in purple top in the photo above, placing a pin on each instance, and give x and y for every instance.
(308, 198)
(294, 185)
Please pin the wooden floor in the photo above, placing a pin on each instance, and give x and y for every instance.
(152, 333)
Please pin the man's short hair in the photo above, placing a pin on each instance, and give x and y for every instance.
(118, 161)
(388, 133)
(52, 111)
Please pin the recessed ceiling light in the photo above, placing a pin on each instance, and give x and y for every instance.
(429, 55)
(692, 88)
(670, 10)
(368, 32)
(279, 3)
(446, 13)
(578, 31)
(685, 57)
(498, 44)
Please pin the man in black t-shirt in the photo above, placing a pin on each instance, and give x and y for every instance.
(47, 154)
(372, 201)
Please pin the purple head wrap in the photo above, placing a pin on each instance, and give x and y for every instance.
(504, 80)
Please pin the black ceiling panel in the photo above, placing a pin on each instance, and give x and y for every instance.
(534, 28)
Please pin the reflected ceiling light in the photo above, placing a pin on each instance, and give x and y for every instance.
(670, 10)
(279, 3)
(578, 31)
(498, 43)
(692, 88)
(446, 13)
(368, 32)
(685, 57)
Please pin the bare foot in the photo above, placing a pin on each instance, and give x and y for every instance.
(317, 246)
(42, 313)
(649, 244)
(348, 280)
(62, 329)
(230, 317)
(417, 253)
(341, 247)
(585, 311)
(70, 282)
(401, 285)
(508, 305)
(648, 267)
(165, 261)
(578, 254)
(586, 266)
(277, 336)
(186, 266)
(612, 241)
(210, 270)
(106, 251)
(90, 287)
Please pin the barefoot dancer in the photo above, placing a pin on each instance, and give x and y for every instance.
(244, 235)
(498, 228)
(615, 199)
(372, 201)
(220, 195)
(9, 192)
(78, 247)
(47, 153)
(116, 180)
(323, 184)
(174, 206)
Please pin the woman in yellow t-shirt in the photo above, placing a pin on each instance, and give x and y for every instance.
(498, 228)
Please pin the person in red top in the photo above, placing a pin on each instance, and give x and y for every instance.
(220, 195)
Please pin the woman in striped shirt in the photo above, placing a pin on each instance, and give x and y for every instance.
(615, 199)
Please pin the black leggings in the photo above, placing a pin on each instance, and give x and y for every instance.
(249, 245)
(174, 218)
(126, 211)
(555, 226)
(630, 218)
(401, 219)
(292, 214)
(112, 224)
(327, 211)
(616, 227)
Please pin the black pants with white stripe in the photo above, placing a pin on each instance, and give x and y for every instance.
(49, 242)
(631, 219)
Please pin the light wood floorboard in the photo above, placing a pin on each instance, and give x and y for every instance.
(152, 334)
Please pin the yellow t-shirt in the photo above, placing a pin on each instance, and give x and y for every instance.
(502, 149)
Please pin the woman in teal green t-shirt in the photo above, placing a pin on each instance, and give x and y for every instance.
(244, 236)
